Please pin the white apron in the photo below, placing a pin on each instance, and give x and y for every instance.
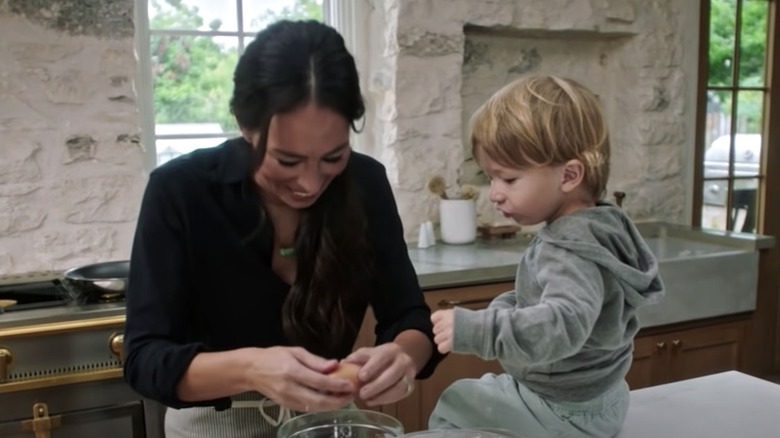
(251, 416)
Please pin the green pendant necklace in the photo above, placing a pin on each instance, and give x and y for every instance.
(286, 252)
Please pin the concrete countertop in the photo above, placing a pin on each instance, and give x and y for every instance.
(707, 273)
(444, 266)
(746, 241)
(724, 405)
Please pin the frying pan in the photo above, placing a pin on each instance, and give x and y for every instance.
(106, 281)
(6, 303)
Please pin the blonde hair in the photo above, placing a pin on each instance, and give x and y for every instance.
(541, 121)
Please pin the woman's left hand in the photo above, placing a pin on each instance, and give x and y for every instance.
(386, 375)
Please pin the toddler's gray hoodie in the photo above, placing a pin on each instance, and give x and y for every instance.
(566, 331)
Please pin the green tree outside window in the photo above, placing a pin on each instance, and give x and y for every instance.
(752, 53)
(193, 75)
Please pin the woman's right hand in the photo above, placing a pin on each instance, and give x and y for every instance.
(296, 379)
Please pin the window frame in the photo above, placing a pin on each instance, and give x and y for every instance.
(735, 88)
(339, 14)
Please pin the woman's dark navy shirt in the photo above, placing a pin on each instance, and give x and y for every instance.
(197, 285)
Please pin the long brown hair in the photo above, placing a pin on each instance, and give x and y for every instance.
(334, 270)
(288, 65)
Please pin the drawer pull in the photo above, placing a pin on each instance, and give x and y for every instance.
(448, 304)
(676, 343)
(661, 345)
(41, 423)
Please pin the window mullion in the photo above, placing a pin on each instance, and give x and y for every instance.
(195, 32)
(734, 116)
(732, 88)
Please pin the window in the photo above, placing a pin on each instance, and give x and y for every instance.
(187, 52)
(732, 147)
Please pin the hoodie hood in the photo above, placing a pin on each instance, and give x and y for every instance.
(607, 237)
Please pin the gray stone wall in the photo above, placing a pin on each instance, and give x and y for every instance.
(71, 163)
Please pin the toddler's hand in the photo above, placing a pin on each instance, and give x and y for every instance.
(443, 322)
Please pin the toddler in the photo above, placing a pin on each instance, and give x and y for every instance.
(564, 335)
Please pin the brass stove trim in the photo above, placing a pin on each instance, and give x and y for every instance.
(65, 379)
(62, 327)
(116, 343)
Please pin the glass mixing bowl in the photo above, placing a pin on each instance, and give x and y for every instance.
(344, 423)
(462, 433)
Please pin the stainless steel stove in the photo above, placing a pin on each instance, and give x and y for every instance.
(47, 336)
(42, 290)
(34, 295)
(61, 364)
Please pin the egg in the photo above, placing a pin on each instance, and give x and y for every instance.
(348, 371)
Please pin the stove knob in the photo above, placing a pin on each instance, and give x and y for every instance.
(6, 361)
(116, 343)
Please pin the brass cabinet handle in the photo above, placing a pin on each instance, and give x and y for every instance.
(676, 343)
(116, 343)
(661, 345)
(6, 362)
(448, 304)
(41, 423)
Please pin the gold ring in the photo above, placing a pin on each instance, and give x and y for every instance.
(409, 385)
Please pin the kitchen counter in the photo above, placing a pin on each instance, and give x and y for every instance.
(444, 265)
(482, 262)
(706, 273)
(724, 405)
(743, 241)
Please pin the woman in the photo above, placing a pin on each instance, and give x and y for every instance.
(254, 262)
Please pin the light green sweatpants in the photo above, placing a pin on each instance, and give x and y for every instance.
(500, 402)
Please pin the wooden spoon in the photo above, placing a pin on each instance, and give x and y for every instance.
(6, 303)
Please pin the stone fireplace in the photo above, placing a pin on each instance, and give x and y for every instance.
(438, 60)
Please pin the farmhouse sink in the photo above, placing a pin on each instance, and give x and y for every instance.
(702, 280)
(707, 273)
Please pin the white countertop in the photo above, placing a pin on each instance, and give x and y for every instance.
(725, 405)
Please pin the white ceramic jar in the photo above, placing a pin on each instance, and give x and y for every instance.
(458, 220)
